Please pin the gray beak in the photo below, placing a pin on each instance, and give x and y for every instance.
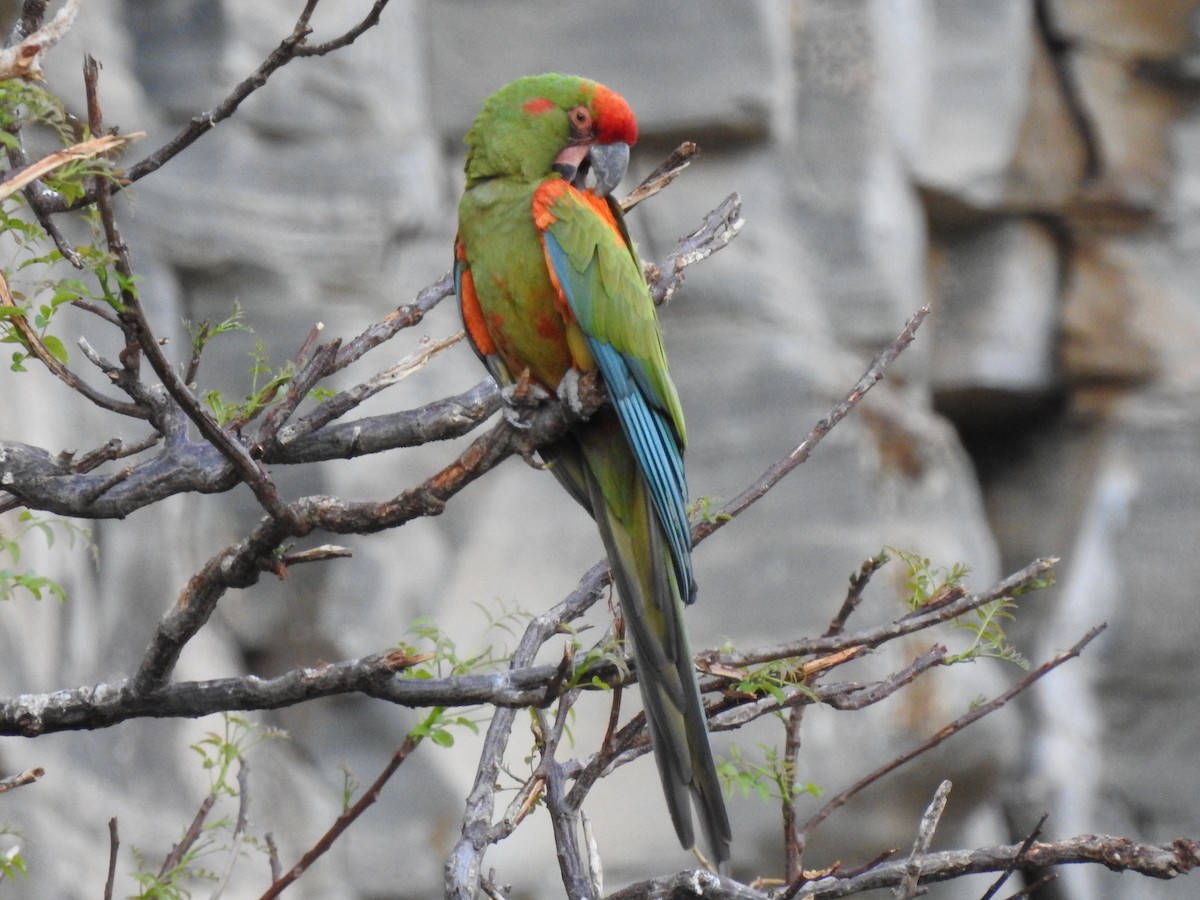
(608, 164)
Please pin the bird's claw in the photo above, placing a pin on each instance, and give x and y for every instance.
(520, 399)
(569, 395)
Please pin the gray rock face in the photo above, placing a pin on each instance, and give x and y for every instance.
(1026, 167)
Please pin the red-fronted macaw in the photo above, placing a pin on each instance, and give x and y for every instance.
(548, 282)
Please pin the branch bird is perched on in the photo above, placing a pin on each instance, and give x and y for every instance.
(548, 282)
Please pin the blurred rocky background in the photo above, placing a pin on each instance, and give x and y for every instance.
(1031, 168)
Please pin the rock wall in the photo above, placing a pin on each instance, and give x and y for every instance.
(1030, 167)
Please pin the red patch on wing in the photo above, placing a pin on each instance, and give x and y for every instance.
(614, 119)
(537, 106)
(472, 313)
(547, 327)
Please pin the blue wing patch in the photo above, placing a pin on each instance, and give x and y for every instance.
(648, 429)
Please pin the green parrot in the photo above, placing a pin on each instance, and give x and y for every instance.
(548, 282)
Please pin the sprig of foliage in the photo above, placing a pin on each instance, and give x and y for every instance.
(260, 397)
(989, 640)
(445, 661)
(777, 678)
(12, 863)
(350, 786)
(437, 724)
(12, 579)
(609, 652)
(218, 750)
(926, 581)
(169, 885)
(22, 107)
(985, 623)
(206, 331)
(701, 509)
(772, 779)
(24, 103)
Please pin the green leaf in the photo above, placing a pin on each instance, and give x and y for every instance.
(55, 347)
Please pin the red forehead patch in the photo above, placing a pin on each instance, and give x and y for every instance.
(614, 118)
(537, 106)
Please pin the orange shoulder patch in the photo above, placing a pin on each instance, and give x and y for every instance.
(549, 192)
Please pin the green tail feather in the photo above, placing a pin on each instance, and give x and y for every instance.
(646, 582)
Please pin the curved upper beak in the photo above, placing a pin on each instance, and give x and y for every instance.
(608, 164)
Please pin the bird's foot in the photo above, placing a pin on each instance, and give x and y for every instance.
(568, 394)
(522, 398)
(581, 393)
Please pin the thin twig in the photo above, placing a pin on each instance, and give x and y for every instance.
(288, 49)
(858, 583)
(666, 172)
(239, 828)
(35, 345)
(1033, 573)
(29, 776)
(194, 830)
(370, 20)
(344, 821)
(344, 401)
(1004, 876)
(114, 843)
(780, 469)
(273, 857)
(791, 759)
(909, 886)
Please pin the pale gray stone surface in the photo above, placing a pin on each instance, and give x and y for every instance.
(1036, 185)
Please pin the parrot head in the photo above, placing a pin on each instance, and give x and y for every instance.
(541, 124)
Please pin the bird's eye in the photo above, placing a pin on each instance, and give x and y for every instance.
(581, 119)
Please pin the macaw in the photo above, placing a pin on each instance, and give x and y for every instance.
(548, 282)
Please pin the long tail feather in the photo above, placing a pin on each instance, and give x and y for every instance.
(650, 597)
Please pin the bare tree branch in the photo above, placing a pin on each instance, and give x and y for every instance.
(37, 347)
(908, 889)
(464, 866)
(289, 48)
(976, 712)
(24, 59)
(29, 776)
(1118, 854)
(114, 844)
(917, 620)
